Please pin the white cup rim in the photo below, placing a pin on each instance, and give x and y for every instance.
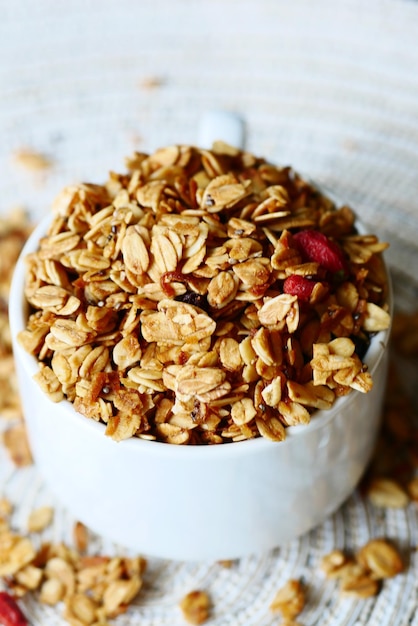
(320, 418)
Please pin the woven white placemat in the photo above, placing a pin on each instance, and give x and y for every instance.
(241, 594)
(331, 88)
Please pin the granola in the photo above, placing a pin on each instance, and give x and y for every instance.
(39, 519)
(289, 599)
(195, 606)
(360, 576)
(91, 589)
(391, 479)
(205, 296)
(32, 160)
(16, 442)
(387, 493)
(14, 230)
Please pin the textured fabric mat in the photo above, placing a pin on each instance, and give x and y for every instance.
(331, 88)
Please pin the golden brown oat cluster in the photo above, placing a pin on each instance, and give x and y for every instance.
(361, 576)
(203, 297)
(14, 230)
(91, 589)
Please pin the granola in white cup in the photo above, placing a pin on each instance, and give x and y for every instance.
(149, 349)
(206, 296)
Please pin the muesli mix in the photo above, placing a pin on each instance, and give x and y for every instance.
(206, 296)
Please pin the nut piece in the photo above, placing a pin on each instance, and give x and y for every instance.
(289, 600)
(196, 607)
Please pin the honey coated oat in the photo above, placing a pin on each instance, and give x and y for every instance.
(205, 296)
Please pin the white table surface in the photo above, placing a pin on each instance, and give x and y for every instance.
(331, 88)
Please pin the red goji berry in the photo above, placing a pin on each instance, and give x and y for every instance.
(317, 247)
(299, 286)
(10, 612)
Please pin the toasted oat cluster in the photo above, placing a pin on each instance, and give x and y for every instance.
(90, 589)
(14, 230)
(206, 296)
(362, 576)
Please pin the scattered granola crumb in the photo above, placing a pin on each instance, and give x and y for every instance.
(32, 160)
(39, 519)
(413, 489)
(381, 558)
(405, 333)
(363, 586)
(16, 442)
(388, 493)
(6, 508)
(290, 599)
(361, 576)
(81, 537)
(152, 82)
(196, 607)
(94, 589)
(390, 481)
(14, 230)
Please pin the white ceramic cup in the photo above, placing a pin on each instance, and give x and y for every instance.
(197, 502)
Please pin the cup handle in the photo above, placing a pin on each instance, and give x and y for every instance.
(218, 125)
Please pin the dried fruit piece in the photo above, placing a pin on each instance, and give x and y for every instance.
(299, 286)
(316, 246)
(10, 612)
